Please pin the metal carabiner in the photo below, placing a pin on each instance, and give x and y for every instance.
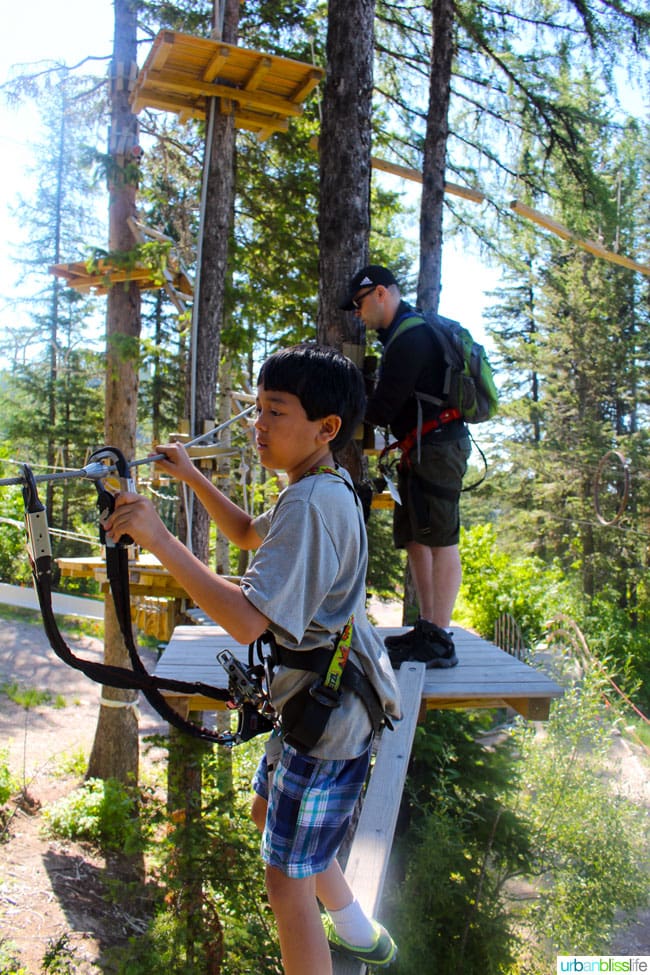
(106, 496)
(39, 548)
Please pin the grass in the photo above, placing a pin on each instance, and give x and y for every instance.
(74, 626)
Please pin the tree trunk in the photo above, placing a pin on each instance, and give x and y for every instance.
(217, 221)
(435, 150)
(115, 749)
(433, 192)
(345, 169)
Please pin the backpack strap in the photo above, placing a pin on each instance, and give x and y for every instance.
(407, 321)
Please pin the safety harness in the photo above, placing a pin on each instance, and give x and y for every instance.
(254, 708)
(306, 714)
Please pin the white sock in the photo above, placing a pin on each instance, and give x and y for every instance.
(353, 926)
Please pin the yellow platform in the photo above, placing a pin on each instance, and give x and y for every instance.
(105, 274)
(182, 72)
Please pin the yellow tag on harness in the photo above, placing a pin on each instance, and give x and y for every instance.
(334, 675)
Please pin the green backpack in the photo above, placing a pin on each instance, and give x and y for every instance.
(469, 383)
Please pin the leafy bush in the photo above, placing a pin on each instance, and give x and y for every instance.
(59, 957)
(455, 829)
(589, 841)
(14, 564)
(5, 777)
(495, 583)
(386, 564)
(103, 812)
(214, 911)
(9, 960)
(535, 812)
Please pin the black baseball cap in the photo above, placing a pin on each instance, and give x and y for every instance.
(367, 277)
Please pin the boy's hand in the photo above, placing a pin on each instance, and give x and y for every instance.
(137, 517)
(178, 462)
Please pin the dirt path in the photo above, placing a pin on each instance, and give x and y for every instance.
(50, 889)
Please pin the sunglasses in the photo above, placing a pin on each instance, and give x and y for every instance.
(357, 302)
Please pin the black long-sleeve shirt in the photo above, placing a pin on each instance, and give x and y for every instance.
(413, 361)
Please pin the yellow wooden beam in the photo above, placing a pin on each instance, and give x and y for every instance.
(307, 85)
(406, 172)
(216, 63)
(181, 85)
(466, 192)
(588, 245)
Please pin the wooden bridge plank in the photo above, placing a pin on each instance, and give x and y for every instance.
(373, 839)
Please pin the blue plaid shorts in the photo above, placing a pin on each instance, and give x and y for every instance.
(309, 809)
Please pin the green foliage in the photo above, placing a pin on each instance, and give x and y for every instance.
(59, 958)
(14, 566)
(103, 812)
(449, 919)
(73, 763)
(9, 960)
(589, 841)
(5, 778)
(495, 582)
(26, 697)
(456, 829)
(537, 810)
(213, 905)
(386, 565)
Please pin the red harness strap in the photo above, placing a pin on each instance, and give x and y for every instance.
(407, 443)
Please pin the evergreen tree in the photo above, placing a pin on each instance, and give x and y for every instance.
(577, 368)
(61, 417)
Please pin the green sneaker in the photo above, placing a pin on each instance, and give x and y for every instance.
(382, 952)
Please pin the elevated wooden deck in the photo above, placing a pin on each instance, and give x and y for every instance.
(486, 677)
(182, 72)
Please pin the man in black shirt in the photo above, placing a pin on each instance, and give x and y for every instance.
(435, 448)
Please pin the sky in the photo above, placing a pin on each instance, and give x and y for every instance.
(40, 30)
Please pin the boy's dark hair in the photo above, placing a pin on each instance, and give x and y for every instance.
(324, 380)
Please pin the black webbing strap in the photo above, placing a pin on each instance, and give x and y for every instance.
(113, 676)
(305, 715)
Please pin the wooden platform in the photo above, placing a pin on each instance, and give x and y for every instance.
(101, 275)
(182, 72)
(486, 677)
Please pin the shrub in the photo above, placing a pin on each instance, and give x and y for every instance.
(495, 583)
(9, 960)
(103, 812)
(5, 778)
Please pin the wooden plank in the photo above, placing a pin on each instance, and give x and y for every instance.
(172, 84)
(216, 63)
(373, 839)
(406, 172)
(591, 246)
(306, 86)
(486, 677)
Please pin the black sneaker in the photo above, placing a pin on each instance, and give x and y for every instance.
(400, 641)
(429, 644)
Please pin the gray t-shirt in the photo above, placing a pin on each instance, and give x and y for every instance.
(308, 576)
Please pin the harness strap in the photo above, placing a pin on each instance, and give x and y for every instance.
(305, 715)
(40, 555)
(409, 440)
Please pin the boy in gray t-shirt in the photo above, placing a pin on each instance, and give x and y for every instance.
(305, 588)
